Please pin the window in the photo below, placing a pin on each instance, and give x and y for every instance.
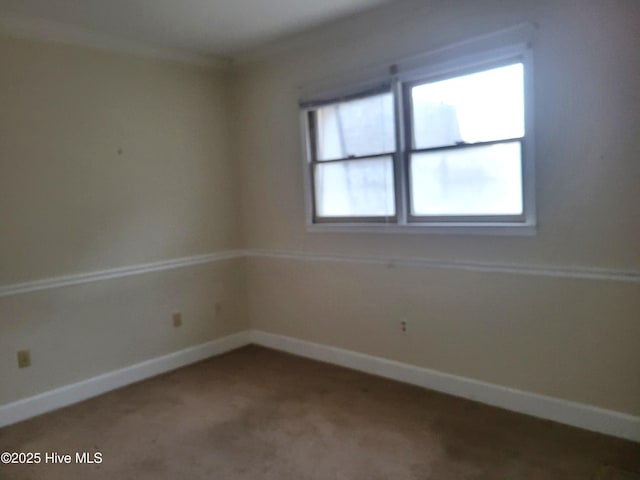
(354, 145)
(437, 149)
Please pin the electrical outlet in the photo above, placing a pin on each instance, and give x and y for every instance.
(177, 319)
(24, 358)
(218, 306)
(403, 326)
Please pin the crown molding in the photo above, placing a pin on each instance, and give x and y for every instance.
(45, 30)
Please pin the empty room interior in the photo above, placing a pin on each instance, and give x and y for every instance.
(345, 239)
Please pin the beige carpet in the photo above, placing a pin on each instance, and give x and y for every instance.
(259, 414)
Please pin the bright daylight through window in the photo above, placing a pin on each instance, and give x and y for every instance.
(437, 150)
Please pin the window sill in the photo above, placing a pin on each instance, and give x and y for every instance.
(485, 229)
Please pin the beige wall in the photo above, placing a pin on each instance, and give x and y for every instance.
(79, 332)
(566, 338)
(573, 339)
(211, 163)
(70, 202)
(587, 79)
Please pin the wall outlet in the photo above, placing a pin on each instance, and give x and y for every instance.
(24, 358)
(177, 319)
(403, 326)
(218, 306)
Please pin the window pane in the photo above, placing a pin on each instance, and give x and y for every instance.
(358, 127)
(484, 180)
(356, 188)
(472, 108)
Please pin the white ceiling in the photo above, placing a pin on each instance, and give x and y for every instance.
(212, 27)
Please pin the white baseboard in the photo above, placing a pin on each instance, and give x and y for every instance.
(563, 411)
(77, 392)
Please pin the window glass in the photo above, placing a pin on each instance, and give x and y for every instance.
(355, 188)
(356, 128)
(478, 107)
(482, 180)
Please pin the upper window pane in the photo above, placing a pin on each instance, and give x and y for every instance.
(478, 107)
(356, 128)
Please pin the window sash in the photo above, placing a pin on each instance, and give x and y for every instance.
(409, 150)
(312, 139)
(408, 85)
(468, 219)
(314, 130)
(352, 218)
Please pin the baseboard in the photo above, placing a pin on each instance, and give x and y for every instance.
(571, 413)
(77, 392)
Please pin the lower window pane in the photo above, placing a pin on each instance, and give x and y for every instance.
(355, 188)
(484, 180)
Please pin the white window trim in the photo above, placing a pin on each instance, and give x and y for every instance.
(412, 71)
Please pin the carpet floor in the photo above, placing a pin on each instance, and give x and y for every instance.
(259, 414)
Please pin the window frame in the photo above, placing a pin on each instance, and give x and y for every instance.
(313, 161)
(400, 84)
